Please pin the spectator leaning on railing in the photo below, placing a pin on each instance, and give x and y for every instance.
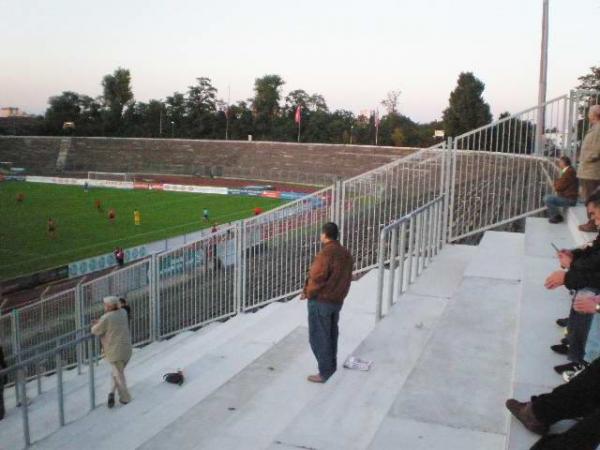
(113, 330)
(589, 162)
(566, 188)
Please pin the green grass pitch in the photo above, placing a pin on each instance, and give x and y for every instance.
(83, 231)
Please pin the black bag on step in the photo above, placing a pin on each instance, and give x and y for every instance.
(174, 378)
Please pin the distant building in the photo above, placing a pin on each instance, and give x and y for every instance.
(10, 111)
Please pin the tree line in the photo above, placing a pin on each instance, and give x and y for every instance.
(199, 113)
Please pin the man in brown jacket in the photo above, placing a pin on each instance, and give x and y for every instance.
(326, 288)
(589, 162)
(566, 190)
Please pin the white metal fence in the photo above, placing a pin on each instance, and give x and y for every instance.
(482, 179)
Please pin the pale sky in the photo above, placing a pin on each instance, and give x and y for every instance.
(351, 52)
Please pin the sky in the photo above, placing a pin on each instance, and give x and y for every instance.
(351, 52)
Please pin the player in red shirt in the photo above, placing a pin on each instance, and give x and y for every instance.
(20, 197)
(98, 205)
(258, 211)
(111, 215)
(51, 228)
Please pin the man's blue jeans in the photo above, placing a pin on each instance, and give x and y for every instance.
(555, 202)
(592, 347)
(323, 334)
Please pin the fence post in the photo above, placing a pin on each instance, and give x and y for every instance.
(154, 298)
(572, 126)
(16, 344)
(78, 324)
(451, 190)
(239, 267)
(380, 275)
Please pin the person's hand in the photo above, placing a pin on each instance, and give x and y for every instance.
(94, 322)
(586, 305)
(303, 296)
(565, 258)
(555, 279)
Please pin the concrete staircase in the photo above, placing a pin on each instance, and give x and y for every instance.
(473, 330)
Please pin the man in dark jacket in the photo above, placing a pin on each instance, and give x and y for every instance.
(326, 288)
(566, 188)
(582, 265)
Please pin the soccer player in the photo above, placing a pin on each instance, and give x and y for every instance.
(205, 214)
(258, 211)
(20, 197)
(111, 215)
(85, 187)
(137, 217)
(98, 205)
(51, 228)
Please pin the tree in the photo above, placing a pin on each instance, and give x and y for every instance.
(467, 109)
(201, 105)
(390, 102)
(266, 102)
(63, 108)
(117, 95)
(591, 81)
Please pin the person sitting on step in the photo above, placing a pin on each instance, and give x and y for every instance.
(579, 265)
(577, 399)
(566, 188)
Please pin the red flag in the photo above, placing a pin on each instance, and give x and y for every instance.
(298, 116)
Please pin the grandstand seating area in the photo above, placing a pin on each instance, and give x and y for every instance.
(197, 157)
(36, 154)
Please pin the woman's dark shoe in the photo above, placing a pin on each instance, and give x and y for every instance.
(562, 322)
(561, 349)
(111, 400)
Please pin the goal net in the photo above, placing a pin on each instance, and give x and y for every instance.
(112, 176)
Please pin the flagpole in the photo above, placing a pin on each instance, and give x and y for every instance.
(299, 125)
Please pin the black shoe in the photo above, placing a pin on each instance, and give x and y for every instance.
(556, 219)
(564, 341)
(111, 400)
(562, 322)
(122, 402)
(561, 349)
(575, 367)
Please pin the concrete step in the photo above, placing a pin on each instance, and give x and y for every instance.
(538, 311)
(347, 414)
(575, 217)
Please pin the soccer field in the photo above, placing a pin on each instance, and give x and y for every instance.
(83, 231)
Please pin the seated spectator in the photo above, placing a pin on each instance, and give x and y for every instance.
(566, 188)
(116, 342)
(579, 398)
(582, 266)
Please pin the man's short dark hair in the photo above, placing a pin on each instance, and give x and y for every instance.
(331, 231)
(566, 160)
(593, 199)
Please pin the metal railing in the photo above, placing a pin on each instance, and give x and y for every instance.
(20, 371)
(478, 181)
(406, 247)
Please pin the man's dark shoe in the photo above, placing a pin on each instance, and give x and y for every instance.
(562, 322)
(556, 219)
(523, 412)
(589, 227)
(564, 341)
(561, 349)
(570, 366)
(111, 400)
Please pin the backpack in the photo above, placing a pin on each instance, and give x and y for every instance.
(174, 378)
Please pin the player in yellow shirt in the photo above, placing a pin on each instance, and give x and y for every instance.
(137, 217)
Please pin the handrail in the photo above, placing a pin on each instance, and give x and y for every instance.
(414, 246)
(21, 382)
